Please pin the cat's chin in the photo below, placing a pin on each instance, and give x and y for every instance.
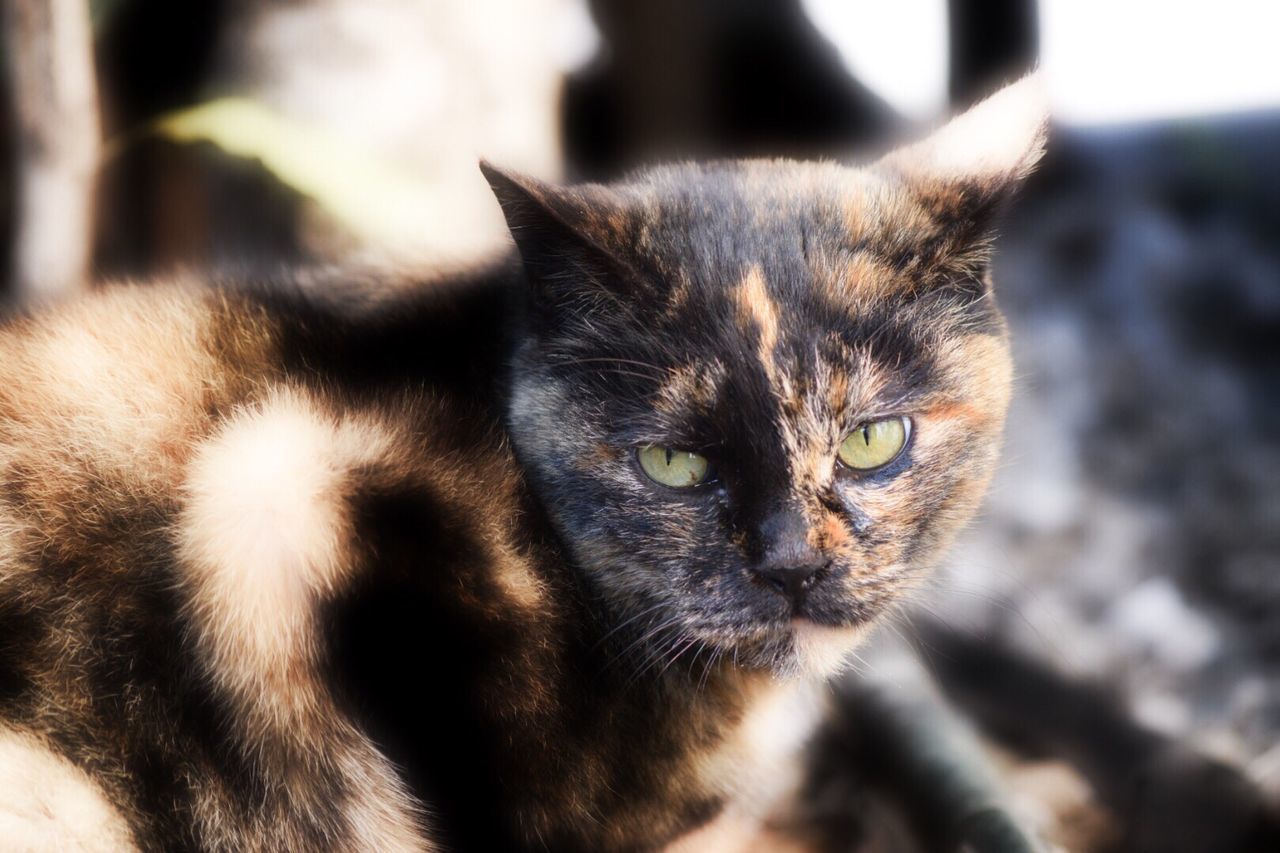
(806, 649)
(821, 651)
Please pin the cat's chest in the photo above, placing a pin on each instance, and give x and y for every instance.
(759, 768)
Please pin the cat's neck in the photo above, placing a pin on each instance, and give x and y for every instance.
(720, 740)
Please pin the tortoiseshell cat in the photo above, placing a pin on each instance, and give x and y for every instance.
(555, 558)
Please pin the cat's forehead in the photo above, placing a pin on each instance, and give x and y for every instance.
(801, 261)
(721, 218)
(757, 340)
(826, 244)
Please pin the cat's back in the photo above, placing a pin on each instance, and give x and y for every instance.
(110, 398)
(103, 400)
(183, 472)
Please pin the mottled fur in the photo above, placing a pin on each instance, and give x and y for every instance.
(282, 569)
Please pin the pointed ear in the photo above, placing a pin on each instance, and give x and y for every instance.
(560, 232)
(977, 159)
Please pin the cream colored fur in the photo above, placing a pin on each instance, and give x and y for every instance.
(1001, 137)
(48, 804)
(265, 539)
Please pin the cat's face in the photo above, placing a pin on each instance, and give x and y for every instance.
(759, 398)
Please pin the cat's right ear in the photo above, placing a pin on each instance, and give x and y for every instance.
(561, 233)
(971, 165)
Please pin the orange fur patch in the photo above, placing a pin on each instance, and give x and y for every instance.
(830, 533)
(954, 410)
(757, 313)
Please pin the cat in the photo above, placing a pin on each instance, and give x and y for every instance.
(552, 556)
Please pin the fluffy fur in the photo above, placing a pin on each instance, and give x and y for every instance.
(291, 569)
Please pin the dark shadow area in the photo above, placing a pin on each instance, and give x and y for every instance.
(992, 42)
(714, 78)
(165, 206)
(154, 56)
(1165, 797)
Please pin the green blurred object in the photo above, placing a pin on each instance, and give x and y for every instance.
(376, 203)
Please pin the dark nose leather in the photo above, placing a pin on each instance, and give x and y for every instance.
(790, 565)
(792, 582)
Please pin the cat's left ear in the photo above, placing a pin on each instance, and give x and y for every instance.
(964, 170)
(562, 234)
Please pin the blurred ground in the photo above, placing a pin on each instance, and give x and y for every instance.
(1132, 534)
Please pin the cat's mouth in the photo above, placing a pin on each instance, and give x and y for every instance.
(799, 643)
(800, 646)
(828, 613)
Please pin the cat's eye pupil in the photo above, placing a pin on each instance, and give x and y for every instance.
(874, 444)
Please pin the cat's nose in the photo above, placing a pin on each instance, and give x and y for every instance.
(792, 582)
(790, 565)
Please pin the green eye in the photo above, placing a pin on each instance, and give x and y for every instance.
(874, 443)
(678, 469)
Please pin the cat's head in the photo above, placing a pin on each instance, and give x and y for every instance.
(758, 398)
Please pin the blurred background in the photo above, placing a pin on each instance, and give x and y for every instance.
(1129, 555)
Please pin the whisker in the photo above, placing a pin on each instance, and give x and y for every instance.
(628, 621)
(644, 640)
(655, 659)
(677, 655)
(717, 654)
(610, 360)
